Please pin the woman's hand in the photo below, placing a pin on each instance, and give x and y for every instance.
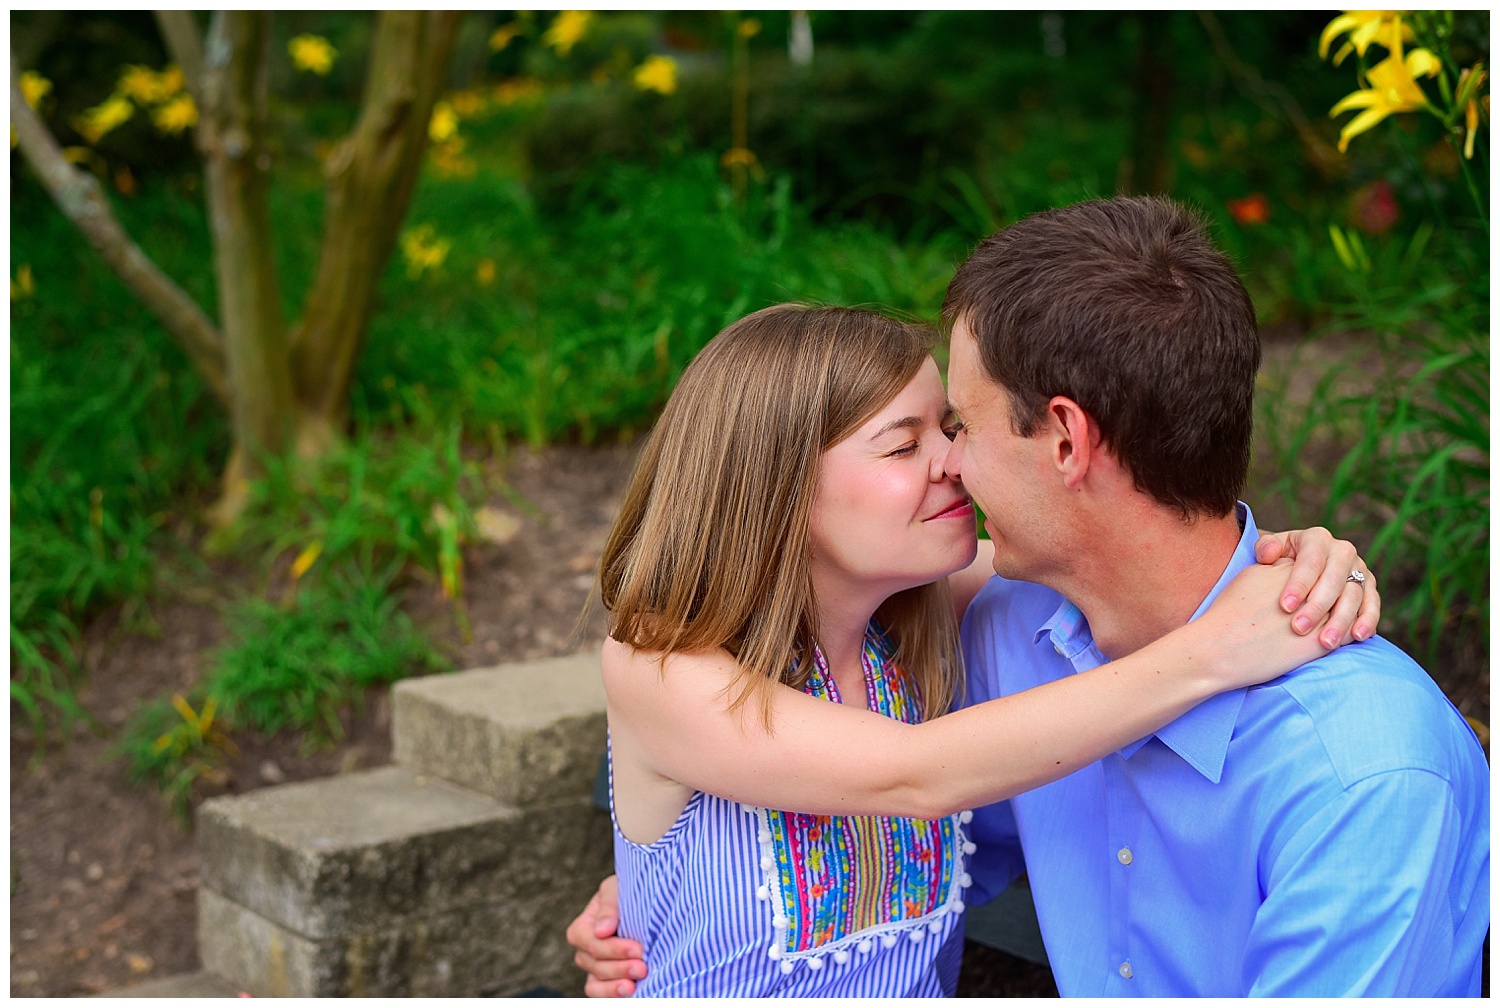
(612, 964)
(1319, 584)
(1246, 634)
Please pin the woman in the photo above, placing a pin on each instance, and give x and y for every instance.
(789, 539)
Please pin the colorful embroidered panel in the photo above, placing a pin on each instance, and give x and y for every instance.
(840, 875)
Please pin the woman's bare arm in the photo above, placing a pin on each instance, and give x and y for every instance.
(827, 758)
(1317, 579)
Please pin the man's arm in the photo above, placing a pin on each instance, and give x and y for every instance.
(613, 964)
(1358, 898)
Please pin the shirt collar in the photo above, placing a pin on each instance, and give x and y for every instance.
(1201, 736)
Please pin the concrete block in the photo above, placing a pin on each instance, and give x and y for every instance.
(484, 950)
(184, 985)
(324, 858)
(525, 733)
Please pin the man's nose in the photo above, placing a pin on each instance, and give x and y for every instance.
(953, 462)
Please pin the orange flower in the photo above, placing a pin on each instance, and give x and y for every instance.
(1250, 210)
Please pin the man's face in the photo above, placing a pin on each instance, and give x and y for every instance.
(1007, 475)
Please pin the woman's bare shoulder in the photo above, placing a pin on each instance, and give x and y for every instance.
(624, 664)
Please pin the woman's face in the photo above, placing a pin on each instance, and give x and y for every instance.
(885, 515)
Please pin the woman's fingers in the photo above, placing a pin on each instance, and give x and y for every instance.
(1368, 620)
(1325, 585)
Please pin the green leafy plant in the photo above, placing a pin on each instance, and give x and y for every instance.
(1392, 440)
(173, 745)
(293, 666)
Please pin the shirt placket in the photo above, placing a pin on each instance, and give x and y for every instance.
(1117, 833)
(1120, 854)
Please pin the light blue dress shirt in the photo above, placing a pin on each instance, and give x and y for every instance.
(1326, 833)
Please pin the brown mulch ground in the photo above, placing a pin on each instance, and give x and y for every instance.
(104, 879)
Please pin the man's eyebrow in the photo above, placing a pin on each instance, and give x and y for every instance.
(906, 421)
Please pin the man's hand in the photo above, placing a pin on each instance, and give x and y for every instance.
(1319, 583)
(613, 964)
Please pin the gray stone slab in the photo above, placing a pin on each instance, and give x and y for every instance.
(325, 858)
(184, 985)
(495, 950)
(524, 733)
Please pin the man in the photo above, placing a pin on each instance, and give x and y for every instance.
(1323, 834)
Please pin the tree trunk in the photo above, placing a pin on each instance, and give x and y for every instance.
(232, 137)
(1147, 168)
(371, 177)
(279, 391)
(78, 195)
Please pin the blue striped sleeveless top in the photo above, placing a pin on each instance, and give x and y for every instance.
(737, 901)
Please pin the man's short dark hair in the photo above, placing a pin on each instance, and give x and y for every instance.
(1126, 307)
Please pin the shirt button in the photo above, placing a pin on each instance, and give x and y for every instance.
(1125, 856)
(1125, 970)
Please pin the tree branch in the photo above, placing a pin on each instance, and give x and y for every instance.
(370, 182)
(186, 46)
(81, 200)
(1272, 98)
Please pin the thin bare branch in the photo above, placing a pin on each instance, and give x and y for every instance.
(1274, 99)
(82, 201)
(186, 46)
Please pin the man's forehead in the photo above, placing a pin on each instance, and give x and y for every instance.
(967, 384)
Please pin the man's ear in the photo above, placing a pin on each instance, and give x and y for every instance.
(1075, 440)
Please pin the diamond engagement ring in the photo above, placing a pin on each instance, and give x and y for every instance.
(1358, 577)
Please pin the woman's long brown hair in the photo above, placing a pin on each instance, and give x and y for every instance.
(711, 546)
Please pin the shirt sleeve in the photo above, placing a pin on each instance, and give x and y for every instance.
(1357, 898)
(996, 861)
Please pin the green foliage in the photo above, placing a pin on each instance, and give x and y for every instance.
(381, 499)
(1403, 421)
(589, 318)
(293, 667)
(110, 432)
(172, 745)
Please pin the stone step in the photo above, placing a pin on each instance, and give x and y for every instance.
(522, 733)
(401, 882)
(184, 985)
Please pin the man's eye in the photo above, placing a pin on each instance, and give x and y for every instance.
(951, 430)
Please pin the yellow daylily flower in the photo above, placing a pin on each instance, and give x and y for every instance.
(508, 92)
(657, 73)
(102, 118)
(444, 122)
(312, 53)
(423, 250)
(467, 104)
(1467, 97)
(502, 36)
(1364, 27)
(565, 31)
(148, 87)
(23, 286)
(178, 114)
(739, 156)
(34, 87)
(1393, 88)
(305, 560)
